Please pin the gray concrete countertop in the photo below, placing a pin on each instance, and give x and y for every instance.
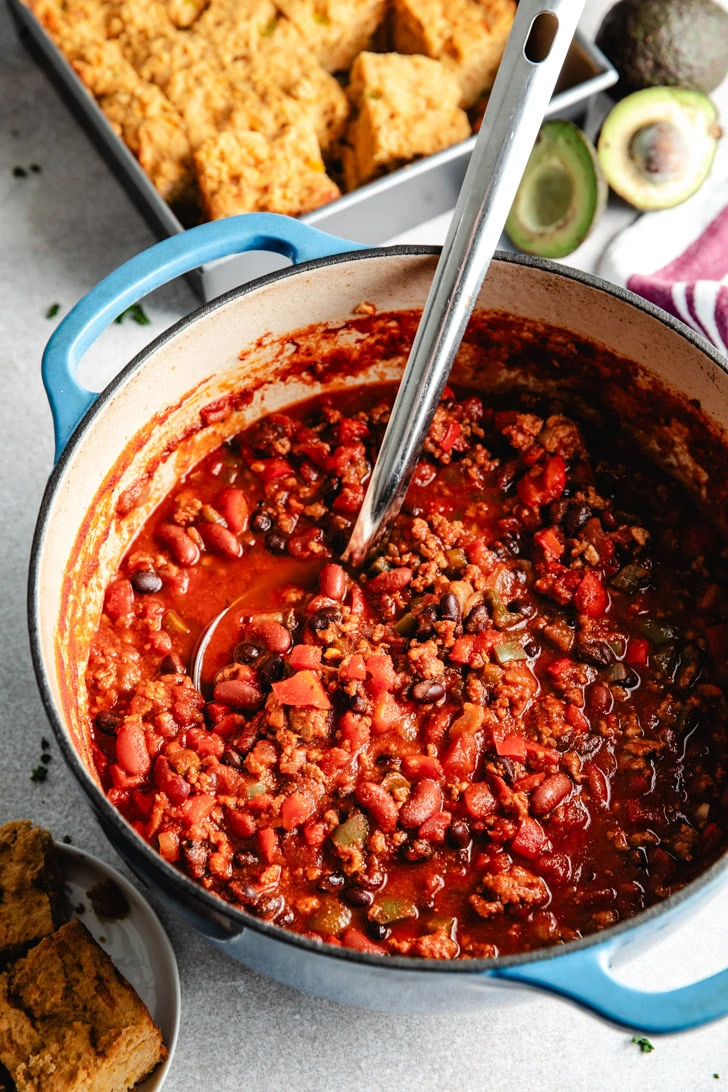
(61, 230)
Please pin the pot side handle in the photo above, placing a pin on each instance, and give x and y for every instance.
(585, 977)
(152, 268)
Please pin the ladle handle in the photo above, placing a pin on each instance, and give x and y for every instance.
(533, 59)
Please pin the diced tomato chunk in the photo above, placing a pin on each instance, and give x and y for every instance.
(461, 758)
(549, 542)
(530, 840)
(543, 484)
(354, 731)
(197, 808)
(479, 800)
(305, 656)
(241, 823)
(268, 469)
(314, 834)
(512, 746)
(638, 652)
(353, 938)
(296, 809)
(418, 766)
(268, 844)
(435, 828)
(591, 596)
(386, 715)
(169, 845)
(354, 669)
(717, 638)
(119, 600)
(451, 437)
(301, 690)
(380, 672)
(576, 718)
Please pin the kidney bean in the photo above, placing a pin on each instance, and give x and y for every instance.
(183, 550)
(239, 694)
(550, 793)
(424, 802)
(232, 505)
(272, 635)
(599, 784)
(261, 523)
(392, 581)
(170, 782)
(599, 699)
(450, 607)
(378, 803)
(107, 723)
(332, 582)
(145, 582)
(220, 540)
(427, 691)
(131, 748)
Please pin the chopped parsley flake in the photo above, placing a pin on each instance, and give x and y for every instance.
(40, 773)
(53, 310)
(46, 758)
(35, 168)
(20, 172)
(136, 312)
(44, 744)
(644, 1044)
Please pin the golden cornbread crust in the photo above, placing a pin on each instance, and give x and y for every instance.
(467, 36)
(213, 95)
(30, 902)
(403, 107)
(69, 1022)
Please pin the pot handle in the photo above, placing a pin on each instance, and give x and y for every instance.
(585, 977)
(152, 268)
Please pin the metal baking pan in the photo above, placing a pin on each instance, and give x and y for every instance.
(371, 214)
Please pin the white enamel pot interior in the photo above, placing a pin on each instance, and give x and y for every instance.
(146, 430)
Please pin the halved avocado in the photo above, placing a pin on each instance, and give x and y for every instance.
(657, 146)
(561, 195)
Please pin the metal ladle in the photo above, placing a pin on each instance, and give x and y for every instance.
(535, 53)
(537, 47)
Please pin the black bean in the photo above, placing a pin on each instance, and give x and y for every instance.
(577, 515)
(458, 834)
(478, 619)
(244, 859)
(357, 703)
(108, 723)
(358, 896)
(558, 510)
(272, 669)
(331, 883)
(609, 521)
(276, 543)
(323, 618)
(631, 681)
(512, 543)
(531, 649)
(596, 653)
(372, 880)
(449, 607)
(246, 653)
(145, 582)
(427, 691)
(426, 623)
(271, 908)
(377, 931)
(232, 758)
(172, 665)
(261, 523)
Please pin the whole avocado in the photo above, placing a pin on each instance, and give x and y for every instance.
(666, 43)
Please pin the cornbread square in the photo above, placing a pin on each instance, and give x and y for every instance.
(288, 82)
(236, 28)
(244, 171)
(69, 1022)
(404, 107)
(143, 117)
(30, 888)
(335, 30)
(468, 36)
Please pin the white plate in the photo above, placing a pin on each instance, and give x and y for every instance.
(137, 945)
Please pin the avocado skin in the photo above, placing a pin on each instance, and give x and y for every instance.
(665, 43)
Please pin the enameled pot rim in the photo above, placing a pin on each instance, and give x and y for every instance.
(193, 893)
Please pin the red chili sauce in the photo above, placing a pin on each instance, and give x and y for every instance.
(507, 730)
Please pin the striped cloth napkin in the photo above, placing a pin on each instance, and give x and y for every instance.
(678, 259)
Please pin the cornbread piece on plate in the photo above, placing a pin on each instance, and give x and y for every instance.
(335, 30)
(468, 36)
(244, 171)
(30, 888)
(69, 1022)
(404, 107)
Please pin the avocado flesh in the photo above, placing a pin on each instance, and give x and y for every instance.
(657, 146)
(666, 43)
(561, 195)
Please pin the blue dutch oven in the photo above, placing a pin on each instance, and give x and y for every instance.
(119, 452)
